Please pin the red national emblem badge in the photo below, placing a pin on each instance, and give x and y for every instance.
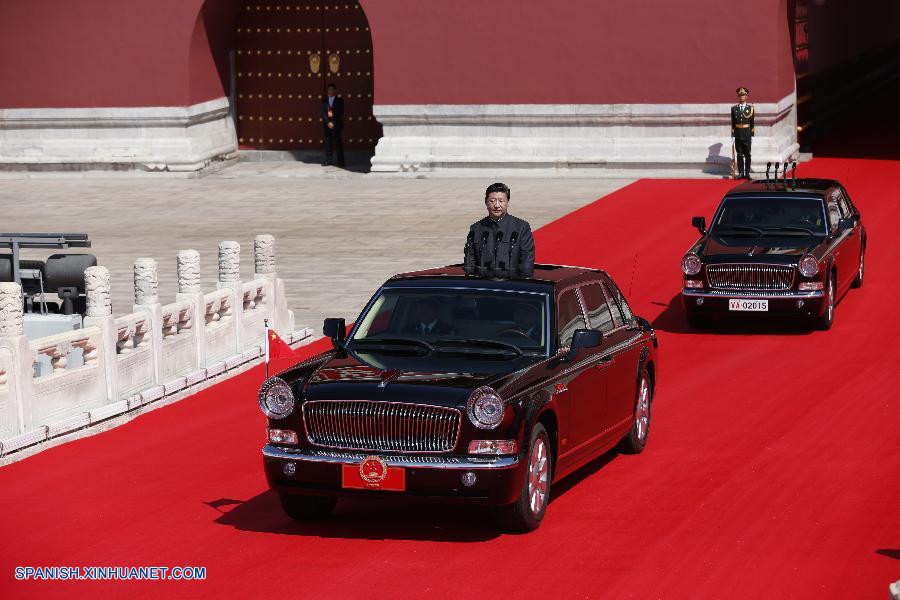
(373, 469)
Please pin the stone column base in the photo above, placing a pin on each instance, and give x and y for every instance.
(611, 137)
(167, 138)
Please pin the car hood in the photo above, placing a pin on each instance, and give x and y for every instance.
(783, 251)
(383, 377)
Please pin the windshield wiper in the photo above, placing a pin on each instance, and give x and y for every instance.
(386, 343)
(493, 344)
(791, 229)
(736, 228)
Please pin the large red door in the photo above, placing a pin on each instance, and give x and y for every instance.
(287, 52)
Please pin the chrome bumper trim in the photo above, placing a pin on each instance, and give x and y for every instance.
(745, 294)
(408, 462)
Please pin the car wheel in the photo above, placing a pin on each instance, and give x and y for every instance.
(861, 271)
(825, 321)
(304, 508)
(636, 440)
(528, 511)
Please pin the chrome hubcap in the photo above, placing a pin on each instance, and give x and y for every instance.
(642, 411)
(538, 471)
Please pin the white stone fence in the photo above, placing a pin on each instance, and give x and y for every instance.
(58, 384)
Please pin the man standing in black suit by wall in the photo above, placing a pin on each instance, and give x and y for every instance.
(333, 123)
(742, 115)
(499, 245)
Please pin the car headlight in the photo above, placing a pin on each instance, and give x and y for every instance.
(691, 264)
(809, 266)
(276, 398)
(485, 408)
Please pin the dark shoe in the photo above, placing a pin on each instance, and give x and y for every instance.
(326, 163)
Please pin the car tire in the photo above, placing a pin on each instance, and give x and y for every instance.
(861, 270)
(305, 508)
(528, 511)
(636, 440)
(826, 319)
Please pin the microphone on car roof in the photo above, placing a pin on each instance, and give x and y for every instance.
(497, 241)
(768, 168)
(484, 239)
(512, 244)
(794, 174)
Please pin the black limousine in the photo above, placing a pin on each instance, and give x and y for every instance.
(777, 247)
(458, 388)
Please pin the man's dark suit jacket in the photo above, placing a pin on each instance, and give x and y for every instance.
(500, 249)
(338, 113)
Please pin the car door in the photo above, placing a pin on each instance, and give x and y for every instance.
(844, 257)
(853, 241)
(584, 385)
(600, 317)
(624, 350)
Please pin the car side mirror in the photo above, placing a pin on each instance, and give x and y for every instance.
(700, 224)
(845, 224)
(583, 338)
(336, 329)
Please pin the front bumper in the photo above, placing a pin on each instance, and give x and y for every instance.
(709, 302)
(499, 479)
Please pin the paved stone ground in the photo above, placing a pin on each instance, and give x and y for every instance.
(339, 234)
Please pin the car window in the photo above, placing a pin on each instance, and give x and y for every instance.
(843, 206)
(623, 305)
(834, 214)
(597, 308)
(569, 317)
(618, 320)
(853, 211)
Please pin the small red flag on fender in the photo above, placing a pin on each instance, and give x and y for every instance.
(275, 347)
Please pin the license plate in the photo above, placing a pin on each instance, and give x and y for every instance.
(748, 305)
(373, 474)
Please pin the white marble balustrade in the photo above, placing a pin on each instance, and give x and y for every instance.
(61, 384)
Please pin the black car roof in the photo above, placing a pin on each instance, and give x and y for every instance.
(802, 187)
(543, 275)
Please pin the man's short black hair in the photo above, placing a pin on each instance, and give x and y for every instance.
(331, 85)
(497, 187)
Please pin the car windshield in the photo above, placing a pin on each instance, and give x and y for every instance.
(759, 217)
(454, 321)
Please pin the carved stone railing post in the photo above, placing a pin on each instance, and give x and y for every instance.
(189, 289)
(99, 313)
(18, 378)
(264, 259)
(230, 278)
(146, 299)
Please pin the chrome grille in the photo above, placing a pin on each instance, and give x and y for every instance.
(750, 277)
(381, 426)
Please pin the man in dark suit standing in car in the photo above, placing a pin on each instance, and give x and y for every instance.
(333, 123)
(499, 245)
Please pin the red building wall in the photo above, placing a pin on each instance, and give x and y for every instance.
(579, 51)
(106, 53)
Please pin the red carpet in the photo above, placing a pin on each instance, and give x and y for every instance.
(772, 469)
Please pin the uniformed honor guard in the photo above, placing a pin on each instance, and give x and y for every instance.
(499, 245)
(742, 131)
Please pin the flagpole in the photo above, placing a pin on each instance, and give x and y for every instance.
(266, 346)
